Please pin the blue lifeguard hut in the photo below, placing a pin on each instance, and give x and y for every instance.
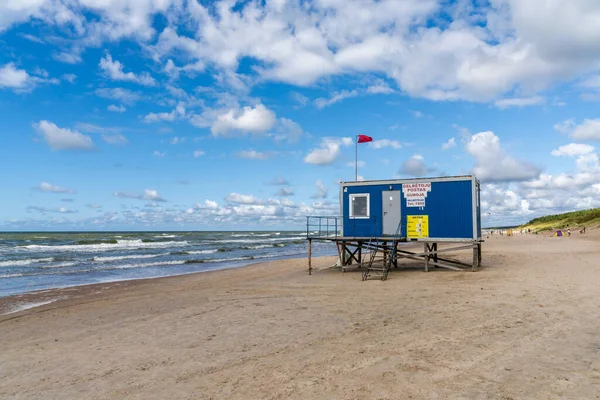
(380, 216)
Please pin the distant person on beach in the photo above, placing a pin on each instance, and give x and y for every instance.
(569, 232)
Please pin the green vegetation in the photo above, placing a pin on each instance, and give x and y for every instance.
(587, 218)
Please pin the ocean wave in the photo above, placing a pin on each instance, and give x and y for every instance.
(211, 251)
(277, 239)
(144, 265)
(21, 263)
(165, 236)
(60, 265)
(121, 244)
(263, 246)
(129, 257)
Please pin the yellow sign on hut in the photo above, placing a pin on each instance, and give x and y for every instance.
(417, 226)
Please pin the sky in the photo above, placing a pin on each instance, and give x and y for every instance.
(234, 115)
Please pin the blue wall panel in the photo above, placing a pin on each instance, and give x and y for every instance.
(449, 206)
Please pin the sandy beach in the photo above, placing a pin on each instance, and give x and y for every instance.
(524, 326)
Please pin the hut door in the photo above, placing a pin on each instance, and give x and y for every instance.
(391, 211)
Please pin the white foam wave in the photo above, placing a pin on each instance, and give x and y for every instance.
(166, 236)
(146, 265)
(129, 257)
(91, 248)
(211, 251)
(26, 306)
(21, 263)
(60, 265)
(283, 239)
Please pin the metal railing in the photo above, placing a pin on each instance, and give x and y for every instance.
(324, 227)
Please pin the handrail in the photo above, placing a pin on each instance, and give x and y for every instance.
(323, 226)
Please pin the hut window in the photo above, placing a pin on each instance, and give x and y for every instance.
(359, 205)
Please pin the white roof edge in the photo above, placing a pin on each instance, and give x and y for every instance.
(438, 178)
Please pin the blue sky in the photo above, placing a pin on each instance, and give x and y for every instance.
(175, 114)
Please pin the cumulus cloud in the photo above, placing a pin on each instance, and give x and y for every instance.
(520, 102)
(49, 188)
(279, 181)
(63, 138)
(243, 199)
(123, 95)
(477, 53)
(118, 140)
(573, 150)
(114, 70)
(336, 97)
(589, 129)
(384, 143)
(19, 80)
(254, 155)
(283, 192)
(94, 206)
(415, 166)
(493, 165)
(449, 144)
(177, 113)
(115, 108)
(321, 190)
(59, 210)
(256, 120)
(149, 194)
(159, 154)
(199, 153)
(328, 150)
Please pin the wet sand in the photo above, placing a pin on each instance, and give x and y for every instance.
(525, 326)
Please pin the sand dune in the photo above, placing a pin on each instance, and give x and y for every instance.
(525, 326)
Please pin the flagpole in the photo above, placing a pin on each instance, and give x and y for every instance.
(356, 161)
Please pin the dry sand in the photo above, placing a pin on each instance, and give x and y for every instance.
(526, 326)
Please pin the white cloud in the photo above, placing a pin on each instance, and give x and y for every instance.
(288, 130)
(158, 154)
(114, 70)
(520, 102)
(321, 191)
(479, 54)
(254, 155)
(416, 113)
(176, 113)
(13, 78)
(243, 199)
(63, 138)
(93, 206)
(177, 140)
(115, 108)
(415, 166)
(573, 150)
(19, 80)
(69, 78)
(284, 192)
(258, 119)
(384, 143)
(59, 210)
(589, 129)
(380, 87)
(199, 153)
(67, 58)
(149, 194)
(449, 144)
(299, 98)
(492, 164)
(336, 97)
(48, 188)
(360, 164)
(328, 151)
(279, 181)
(118, 139)
(123, 95)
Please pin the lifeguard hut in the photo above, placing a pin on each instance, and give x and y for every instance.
(380, 218)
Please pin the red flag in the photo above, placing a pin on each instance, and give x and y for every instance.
(364, 139)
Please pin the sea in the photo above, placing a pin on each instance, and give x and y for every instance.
(41, 260)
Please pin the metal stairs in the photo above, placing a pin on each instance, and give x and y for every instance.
(382, 268)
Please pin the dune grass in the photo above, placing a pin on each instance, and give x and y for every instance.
(573, 220)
